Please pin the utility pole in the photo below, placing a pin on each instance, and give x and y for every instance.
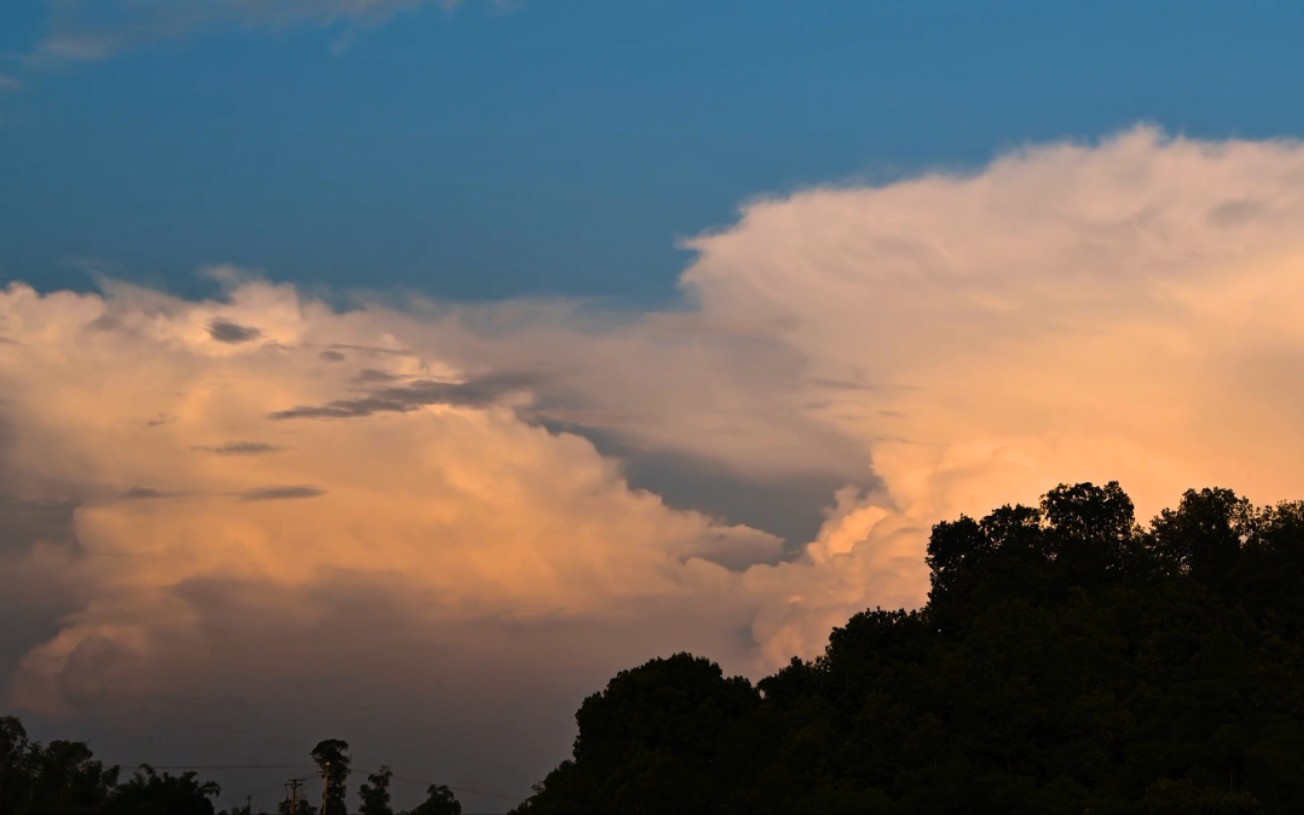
(292, 787)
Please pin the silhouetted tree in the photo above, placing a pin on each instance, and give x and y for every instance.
(148, 793)
(63, 778)
(66, 778)
(1068, 660)
(1089, 528)
(440, 801)
(657, 739)
(332, 756)
(15, 770)
(304, 808)
(375, 793)
(1204, 534)
(956, 551)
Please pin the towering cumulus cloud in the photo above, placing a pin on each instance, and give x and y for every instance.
(261, 497)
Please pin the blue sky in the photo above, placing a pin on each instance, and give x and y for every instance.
(562, 148)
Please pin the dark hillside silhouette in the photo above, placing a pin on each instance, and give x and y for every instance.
(1068, 661)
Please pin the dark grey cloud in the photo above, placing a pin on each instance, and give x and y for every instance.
(839, 384)
(373, 376)
(791, 507)
(369, 349)
(241, 448)
(475, 393)
(25, 522)
(145, 493)
(332, 356)
(33, 599)
(232, 333)
(161, 419)
(281, 493)
(1236, 212)
(7, 341)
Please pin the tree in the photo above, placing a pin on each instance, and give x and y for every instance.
(954, 551)
(1067, 661)
(15, 755)
(332, 756)
(1204, 534)
(375, 793)
(303, 808)
(440, 801)
(658, 738)
(67, 778)
(148, 793)
(1089, 528)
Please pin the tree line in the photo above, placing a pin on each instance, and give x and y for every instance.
(1068, 660)
(64, 778)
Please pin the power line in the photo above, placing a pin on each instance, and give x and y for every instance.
(196, 767)
(461, 789)
(230, 767)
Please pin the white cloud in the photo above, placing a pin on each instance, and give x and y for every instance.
(1125, 310)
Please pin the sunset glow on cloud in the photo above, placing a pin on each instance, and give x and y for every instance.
(252, 472)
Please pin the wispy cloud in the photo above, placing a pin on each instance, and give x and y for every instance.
(82, 30)
(227, 332)
(472, 393)
(281, 493)
(240, 448)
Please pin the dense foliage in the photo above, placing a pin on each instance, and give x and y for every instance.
(1068, 660)
(63, 778)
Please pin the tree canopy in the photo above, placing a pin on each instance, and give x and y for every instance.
(332, 757)
(1068, 660)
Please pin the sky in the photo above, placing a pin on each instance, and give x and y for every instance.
(398, 371)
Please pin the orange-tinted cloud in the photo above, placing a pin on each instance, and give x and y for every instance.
(262, 471)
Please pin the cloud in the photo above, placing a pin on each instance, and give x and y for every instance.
(449, 505)
(36, 537)
(240, 448)
(1128, 309)
(144, 493)
(9, 84)
(512, 500)
(83, 30)
(281, 493)
(231, 333)
(1071, 307)
(485, 391)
